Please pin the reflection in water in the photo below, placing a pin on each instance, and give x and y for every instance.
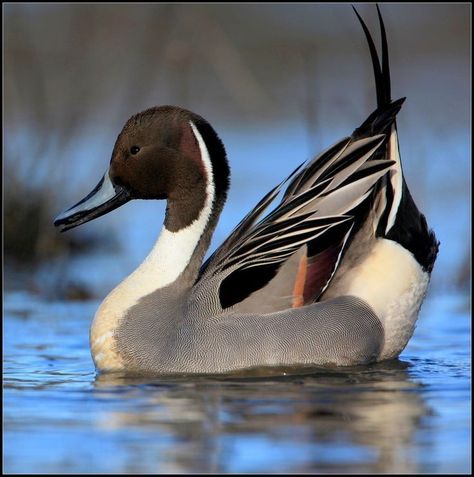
(358, 419)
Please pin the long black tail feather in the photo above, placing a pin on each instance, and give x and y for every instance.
(381, 74)
(385, 63)
(384, 115)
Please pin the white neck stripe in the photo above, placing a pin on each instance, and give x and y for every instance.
(210, 187)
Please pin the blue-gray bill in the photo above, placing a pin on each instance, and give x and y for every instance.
(104, 198)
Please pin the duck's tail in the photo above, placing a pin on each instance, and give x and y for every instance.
(396, 215)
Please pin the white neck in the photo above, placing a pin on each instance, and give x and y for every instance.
(168, 259)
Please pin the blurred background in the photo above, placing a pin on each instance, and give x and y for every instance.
(278, 82)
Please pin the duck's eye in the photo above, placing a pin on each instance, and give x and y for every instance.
(134, 149)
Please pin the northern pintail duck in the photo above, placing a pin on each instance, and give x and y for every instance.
(335, 274)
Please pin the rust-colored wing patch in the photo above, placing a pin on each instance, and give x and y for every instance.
(300, 281)
(319, 271)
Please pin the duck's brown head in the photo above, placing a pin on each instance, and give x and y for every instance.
(162, 153)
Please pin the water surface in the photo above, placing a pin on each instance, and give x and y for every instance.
(407, 415)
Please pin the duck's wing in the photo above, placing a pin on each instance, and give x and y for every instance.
(318, 210)
(321, 209)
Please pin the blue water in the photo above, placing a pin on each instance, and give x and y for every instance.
(407, 415)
